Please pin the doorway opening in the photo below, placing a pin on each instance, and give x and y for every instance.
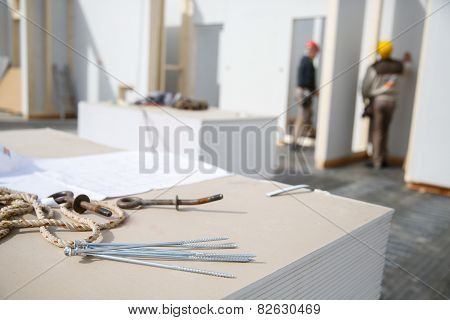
(394, 19)
(206, 63)
(303, 30)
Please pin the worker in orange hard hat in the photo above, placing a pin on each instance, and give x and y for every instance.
(379, 91)
(306, 89)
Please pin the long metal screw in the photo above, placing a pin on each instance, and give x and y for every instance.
(169, 254)
(154, 244)
(177, 257)
(229, 245)
(165, 266)
(174, 252)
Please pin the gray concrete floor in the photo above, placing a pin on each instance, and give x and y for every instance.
(419, 241)
(13, 122)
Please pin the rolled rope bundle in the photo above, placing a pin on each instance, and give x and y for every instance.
(14, 204)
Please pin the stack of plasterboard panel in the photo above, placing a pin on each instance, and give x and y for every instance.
(308, 245)
(348, 268)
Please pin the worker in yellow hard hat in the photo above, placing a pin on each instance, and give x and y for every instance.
(384, 49)
(379, 91)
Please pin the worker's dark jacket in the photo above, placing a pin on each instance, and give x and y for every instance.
(306, 76)
(381, 80)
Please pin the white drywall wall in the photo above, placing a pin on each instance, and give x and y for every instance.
(173, 11)
(255, 58)
(407, 12)
(213, 12)
(255, 49)
(429, 154)
(340, 73)
(388, 17)
(114, 34)
(372, 17)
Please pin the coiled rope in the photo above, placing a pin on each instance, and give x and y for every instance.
(14, 204)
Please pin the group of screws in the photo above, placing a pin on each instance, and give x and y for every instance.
(173, 250)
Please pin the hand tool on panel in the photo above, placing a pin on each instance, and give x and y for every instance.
(136, 202)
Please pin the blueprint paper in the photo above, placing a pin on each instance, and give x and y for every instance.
(102, 176)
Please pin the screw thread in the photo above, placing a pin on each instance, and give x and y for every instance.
(215, 254)
(223, 259)
(204, 240)
(211, 246)
(206, 272)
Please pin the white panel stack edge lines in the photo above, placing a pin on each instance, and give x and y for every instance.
(317, 256)
(350, 267)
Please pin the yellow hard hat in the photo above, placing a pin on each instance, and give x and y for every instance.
(385, 49)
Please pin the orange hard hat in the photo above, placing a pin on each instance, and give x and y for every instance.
(312, 44)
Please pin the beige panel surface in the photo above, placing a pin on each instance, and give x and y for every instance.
(50, 143)
(278, 230)
(10, 91)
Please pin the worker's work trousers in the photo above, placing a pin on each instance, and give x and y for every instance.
(303, 123)
(382, 115)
